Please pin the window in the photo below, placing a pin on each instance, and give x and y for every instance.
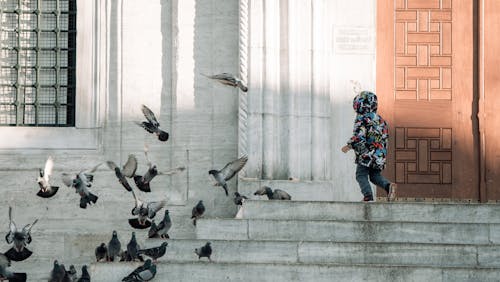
(38, 57)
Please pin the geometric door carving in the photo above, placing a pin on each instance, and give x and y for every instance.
(423, 53)
(423, 155)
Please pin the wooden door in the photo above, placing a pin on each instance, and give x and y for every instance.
(425, 86)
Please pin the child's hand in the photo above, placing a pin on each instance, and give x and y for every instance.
(346, 148)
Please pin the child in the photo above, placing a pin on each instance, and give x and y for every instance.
(369, 142)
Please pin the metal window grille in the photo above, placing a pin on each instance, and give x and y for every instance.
(37, 79)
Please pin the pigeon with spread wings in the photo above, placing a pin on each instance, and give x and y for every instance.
(128, 170)
(143, 181)
(152, 125)
(144, 212)
(229, 80)
(20, 238)
(230, 170)
(46, 190)
(82, 182)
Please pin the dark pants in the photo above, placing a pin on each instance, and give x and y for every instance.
(362, 174)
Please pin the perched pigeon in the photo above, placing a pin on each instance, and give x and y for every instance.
(142, 182)
(128, 170)
(58, 273)
(238, 198)
(145, 272)
(164, 226)
(197, 211)
(114, 247)
(101, 252)
(230, 170)
(205, 251)
(46, 190)
(85, 275)
(71, 273)
(153, 230)
(20, 238)
(155, 252)
(132, 248)
(276, 195)
(81, 182)
(152, 125)
(144, 212)
(228, 79)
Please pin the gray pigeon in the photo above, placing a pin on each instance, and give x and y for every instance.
(197, 211)
(132, 248)
(228, 79)
(164, 226)
(58, 273)
(20, 238)
(85, 275)
(143, 182)
(101, 252)
(230, 170)
(128, 170)
(6, 274)
(205, 251)
(145, 272)
(71, 273)
(81, 184)
(43, 180)
(238, 199)
(144, 212)
(153, 230)
(114, 247)
(152, 125)
(155, 252)
(277, 194)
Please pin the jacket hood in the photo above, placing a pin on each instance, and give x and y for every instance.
(365, 102)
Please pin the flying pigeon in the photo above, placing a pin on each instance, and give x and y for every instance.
(81, 182)
(114, 247)
(20, 238)
(101, 252)
(197, 211)
(277, 194)
(132, 248)
(239, 199)
(46, 190)
(128, 170)
(152, 125)
(7, 274)
(205, 251)
(144, 212)
(155, 252)
(58, 272)
(145, 272)
(71, 274)
(85, 275)
(142, 182)
(228, 79)
(230, 170)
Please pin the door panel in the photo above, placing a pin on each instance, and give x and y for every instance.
(425, 70)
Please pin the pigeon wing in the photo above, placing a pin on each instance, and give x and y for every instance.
(111, 165)
(47, 171)
(138, 204)
(154, 207)
(27, 227)
(150, 116)
(233, 167)
(130, 166)
(67, 179)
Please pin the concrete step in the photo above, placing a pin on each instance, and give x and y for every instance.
(358, 211)
(215, 271)
(348, 231)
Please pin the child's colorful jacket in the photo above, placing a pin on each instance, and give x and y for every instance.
(370, 133)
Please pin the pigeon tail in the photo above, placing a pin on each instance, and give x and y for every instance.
(144, 187)
(134, 222)
(48, 194)
(18, 277)
(14, 255)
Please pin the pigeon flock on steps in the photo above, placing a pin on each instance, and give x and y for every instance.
(144, 211)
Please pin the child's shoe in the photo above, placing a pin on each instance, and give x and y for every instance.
(368, 198)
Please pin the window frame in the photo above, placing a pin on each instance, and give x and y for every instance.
(90, 83)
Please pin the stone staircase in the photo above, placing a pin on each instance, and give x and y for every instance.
(289, 241)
